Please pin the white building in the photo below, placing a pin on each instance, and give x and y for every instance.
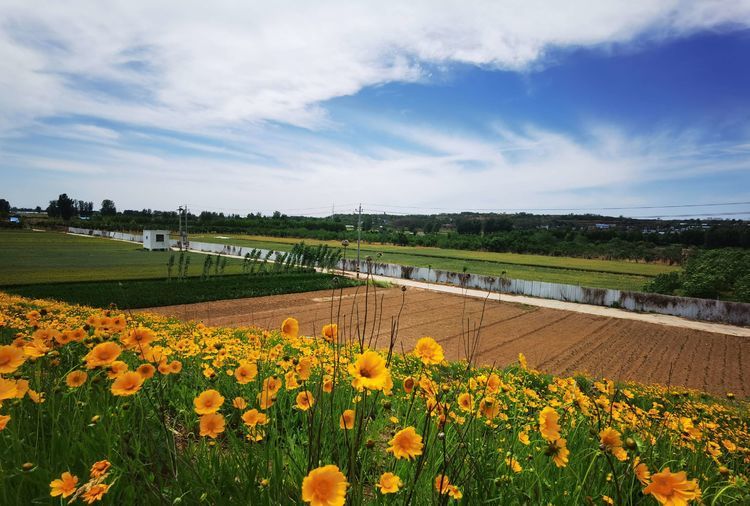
(155, 240)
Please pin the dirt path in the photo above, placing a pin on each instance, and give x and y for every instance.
(553, 340)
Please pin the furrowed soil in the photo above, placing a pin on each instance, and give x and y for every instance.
(554, 341)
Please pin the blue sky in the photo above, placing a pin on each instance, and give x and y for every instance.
(415, 108)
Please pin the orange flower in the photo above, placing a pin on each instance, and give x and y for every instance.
(305, 400)
(304, 368)
(389, 483)
(146, 370)
(64, 486)
(239, 403)
(100, 468)
(346, 421)
(127, 384)
(116, 368)
(330, 332)
(246, 372)
(76, 378)
(548, 425)
(370, 372)
(429, 351)
(11, 358)
(325, 486)
(211, 425)
(409, 384)
(673, 489)
(175, 366)
(610, 440)
(406, 444)
(290, 328)
(4, 419)
(208, 402)
(272, 384)
(8, 389)
(254, 417)
(442, 483)
(95, 493)
(138, 338)
(103, 354)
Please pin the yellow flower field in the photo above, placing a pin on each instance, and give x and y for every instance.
(128, 408)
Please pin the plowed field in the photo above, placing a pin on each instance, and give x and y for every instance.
(555, 341)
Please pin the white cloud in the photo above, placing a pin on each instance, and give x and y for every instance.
(190, 65)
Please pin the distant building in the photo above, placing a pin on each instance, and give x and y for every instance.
(603, 226)
(156, 240)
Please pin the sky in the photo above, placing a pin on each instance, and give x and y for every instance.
(635, 108)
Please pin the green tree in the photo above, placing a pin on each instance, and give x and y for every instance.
(108, 208)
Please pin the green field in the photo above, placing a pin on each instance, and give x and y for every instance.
(576, 271)
(139, 293)
(28, 257)
(99, 272)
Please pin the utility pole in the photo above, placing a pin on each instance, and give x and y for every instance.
(359, 235)
(179, 219)
(185, 230)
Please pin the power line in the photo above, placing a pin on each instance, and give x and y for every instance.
(521, 209)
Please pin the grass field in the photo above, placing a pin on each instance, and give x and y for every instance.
(576, 271)
(28, 257)
(139, 293)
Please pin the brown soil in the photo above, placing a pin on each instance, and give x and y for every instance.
(554, 341)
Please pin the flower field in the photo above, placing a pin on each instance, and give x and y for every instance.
(123, 408)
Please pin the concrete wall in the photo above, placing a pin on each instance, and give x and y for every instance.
(105, 233)
(735, 313)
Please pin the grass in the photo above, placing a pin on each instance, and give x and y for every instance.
(140, 293)
(595, 273)
(28, 257)
(480, 427)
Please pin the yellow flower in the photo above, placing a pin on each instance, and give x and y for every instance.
(406, 444)
(673, 489)
(325, 486)
(641, 471)
(730, 446)
(513, 464)
(429, 351)
(11, 358)
(559, 452)
(548, 425)
(305, 400)
(442, 484)
(304, 368)
(489, 408)
(290, 328)
(389, 483)
(208, 402)
(347, 419)
(95, 493)
(330, 332)
(102, 354)
(76, 378)
(64, 486)
(523, 437)
(370, 372)
(522, 361)
(211, 425)
(246, 372)
(127, 384)
(610, 440)
(466, 402)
